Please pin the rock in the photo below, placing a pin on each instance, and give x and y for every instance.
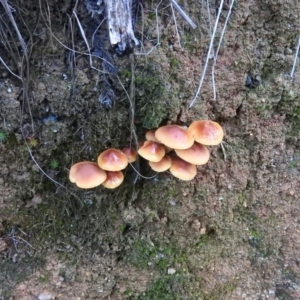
(45, 296)
(171, 271)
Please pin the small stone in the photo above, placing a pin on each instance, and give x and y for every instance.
(41, 86)
(45, 296)
(164, 220)
(171, 271)
(3, 245)
(22, 287)
(203, 230)
(37, 199)
(196, 225)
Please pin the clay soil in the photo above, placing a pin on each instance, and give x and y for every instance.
(231, 233)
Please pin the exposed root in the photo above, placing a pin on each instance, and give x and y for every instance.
(183, 14)
(157, 32)
(211, 53)
(141, 174)
(295, 59)
(17, 49)
(9, 70)
(50, 178)
(223, 150)
(16, 239)
(132, 114)
(219, 46)
(175, 22)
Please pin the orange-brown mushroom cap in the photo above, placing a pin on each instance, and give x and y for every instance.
(197, 154)
(112, 160)
(130, 153)
(152, 151)
(163, 165)
(87, 175)
(150, 136)
(207, 132)
(182, 169)
(175, 137)
(113, 180)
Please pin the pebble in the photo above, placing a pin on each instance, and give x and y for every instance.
(271, 292)
(203, 230)
(41, 86)
(171, 271)
(50, 118)
(45, 296)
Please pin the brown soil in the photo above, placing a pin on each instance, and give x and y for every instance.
(231, 233)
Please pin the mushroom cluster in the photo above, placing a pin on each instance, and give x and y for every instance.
(169, 147)
(180, 149)
(107, 171)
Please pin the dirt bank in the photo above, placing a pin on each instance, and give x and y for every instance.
(231, 233)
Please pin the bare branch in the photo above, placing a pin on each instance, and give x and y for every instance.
(10, 71)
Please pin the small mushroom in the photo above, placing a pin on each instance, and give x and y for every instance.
(207, 132)
(174, 137)
(163, 165)
(182, 169)
(112, 160)
(130, 153)
(197, 154)
(152, 151)
(113, 180)
(150, 136)
(87, 175)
